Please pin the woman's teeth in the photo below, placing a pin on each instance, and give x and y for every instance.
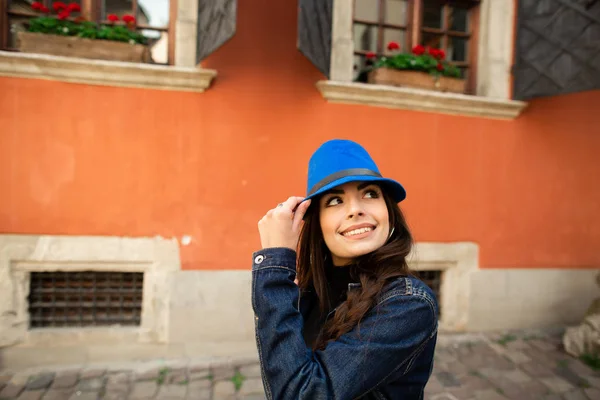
(357, 231)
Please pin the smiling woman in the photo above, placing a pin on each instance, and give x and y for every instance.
(356, 322)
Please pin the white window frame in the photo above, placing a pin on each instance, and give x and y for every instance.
(494, 63)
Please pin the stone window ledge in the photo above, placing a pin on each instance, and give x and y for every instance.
(108, 73)
(420, 100)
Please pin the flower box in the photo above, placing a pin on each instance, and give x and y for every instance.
(73, 46)
(416, 79)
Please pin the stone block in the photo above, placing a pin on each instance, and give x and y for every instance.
(252, 386)
(11, 390)
(92, 373)
(79, 395)
(58, 394)
(251, 371)
(41, 381)
(224, 390)
(90, 385)
(557, 384)
(62, 381)
(172, 392)
(222, 373)
(31, 395)
(144, 390)
(575, 395)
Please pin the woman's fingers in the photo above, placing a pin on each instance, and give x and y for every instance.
(299, 215)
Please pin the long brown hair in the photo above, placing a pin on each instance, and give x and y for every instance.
(373, 270)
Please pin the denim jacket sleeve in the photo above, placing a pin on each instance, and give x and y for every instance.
(388, 338)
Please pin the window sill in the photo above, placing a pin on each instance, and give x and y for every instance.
(108, 73)
(419, 100)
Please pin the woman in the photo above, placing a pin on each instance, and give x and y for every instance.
(355, 323)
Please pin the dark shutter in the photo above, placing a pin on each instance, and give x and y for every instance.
(557, 48)
(314, 32)
(216, 25)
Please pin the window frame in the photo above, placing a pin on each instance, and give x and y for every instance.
(414, 30)
(92, 11)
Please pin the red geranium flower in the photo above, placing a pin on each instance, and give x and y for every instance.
(418, 50)
(64, 14)
(112, 17)
(59, 5)
(440, 67)
(45, 9)
(36, 5)
(129, 19)
(74, 7)
(371, 55)
(393, 46)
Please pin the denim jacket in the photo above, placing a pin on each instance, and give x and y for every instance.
(389, 355)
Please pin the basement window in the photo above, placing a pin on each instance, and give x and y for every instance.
(85, 299)
(433, 279)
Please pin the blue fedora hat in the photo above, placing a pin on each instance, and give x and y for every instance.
(340, 161)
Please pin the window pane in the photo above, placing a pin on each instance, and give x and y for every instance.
(395, 12)
(459, 19)
(433, 14)
(457, 49)
(365, 37)
(432, 40)
(367, 10)
(150, 12)
(394, 35)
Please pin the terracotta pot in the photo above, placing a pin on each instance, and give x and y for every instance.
(416, 79)
(72, 46)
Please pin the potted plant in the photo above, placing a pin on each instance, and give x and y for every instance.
(60, 34)
(423, 68)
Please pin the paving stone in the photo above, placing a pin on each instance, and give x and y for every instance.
(447, 379)
(592, 393)
(31, 395)
(557, 384)
(199, 390)
(58, 394)
(580, 368)
(434, 385)
(172, 392)
(543, 345)
(20, 378)
(143, 390)
(176, 376)
(120, 378)
(517, 376)
(574, 379)
(575, 395)
(224, 390)
(79, 395)
(65, 380)
(92, 373)
(517, 357)
(114, 396)
(473, 383)
(90, 385)
(148, 373)
(536, 369)
(252, 386)
(252, 397)
(251, 371)
(41, 381)
(594, 381)
(222, 373)
(11, 390)
(535, 388)
(489, 394)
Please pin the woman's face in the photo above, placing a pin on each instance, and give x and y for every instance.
(354, 220)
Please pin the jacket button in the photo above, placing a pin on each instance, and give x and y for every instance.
(259, 259)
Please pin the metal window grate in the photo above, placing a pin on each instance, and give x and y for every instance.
(86, 298)
(433, 279)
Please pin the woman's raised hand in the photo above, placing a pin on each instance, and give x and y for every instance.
(280, 227)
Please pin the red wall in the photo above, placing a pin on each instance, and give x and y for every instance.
(81, 160)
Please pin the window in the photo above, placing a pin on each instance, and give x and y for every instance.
(152, 19)
(448, 25)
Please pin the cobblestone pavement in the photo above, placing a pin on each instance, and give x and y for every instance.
(492, 367)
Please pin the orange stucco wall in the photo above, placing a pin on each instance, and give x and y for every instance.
(78, 159)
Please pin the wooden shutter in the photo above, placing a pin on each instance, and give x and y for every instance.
(216, 25)
(314, 32)
(557, 47)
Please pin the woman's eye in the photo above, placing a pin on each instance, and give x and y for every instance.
(371, 194)
(333, 201)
